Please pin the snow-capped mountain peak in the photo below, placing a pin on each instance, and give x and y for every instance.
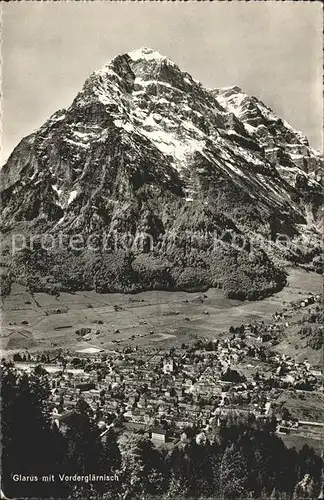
(143, 146)
(147, 54)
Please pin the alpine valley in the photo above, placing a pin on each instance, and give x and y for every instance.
(212, 176)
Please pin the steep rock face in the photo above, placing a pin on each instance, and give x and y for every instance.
(179, 186)
(285, 147)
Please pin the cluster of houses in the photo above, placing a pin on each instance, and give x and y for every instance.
(168, 391)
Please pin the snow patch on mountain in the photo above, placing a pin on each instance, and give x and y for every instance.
(108, 71)
(57, 190)
(129, 127)
(73, 194)
(79, 144)
(147, 54)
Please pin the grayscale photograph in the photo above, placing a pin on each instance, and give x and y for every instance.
(161, 188)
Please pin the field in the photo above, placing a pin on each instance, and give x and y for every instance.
(42, 321)
(304, 405)
(296, 441)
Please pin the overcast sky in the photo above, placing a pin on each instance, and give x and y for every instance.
(273, 50)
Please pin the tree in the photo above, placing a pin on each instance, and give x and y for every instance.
(274, 494)
(306, 488)
(141, 468)
(232, 376)
(309, 463)
(27, 434)
(180, 472)
(111, 451)
(233, 474)
(285, 414)
(177, 488)
(85, 452)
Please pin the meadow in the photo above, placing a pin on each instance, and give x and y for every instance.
(37, 321)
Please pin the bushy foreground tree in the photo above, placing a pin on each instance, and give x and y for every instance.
(30, 447)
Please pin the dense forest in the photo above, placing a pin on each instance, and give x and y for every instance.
(241, 458)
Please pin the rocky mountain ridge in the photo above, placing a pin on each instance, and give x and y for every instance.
(146, 149)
